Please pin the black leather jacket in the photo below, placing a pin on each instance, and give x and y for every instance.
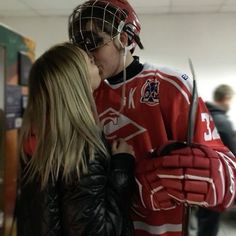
(223, 125)
(96, 204)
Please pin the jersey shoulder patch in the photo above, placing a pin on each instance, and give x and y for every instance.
(172, 74)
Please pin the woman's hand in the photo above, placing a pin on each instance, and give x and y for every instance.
(121, 146)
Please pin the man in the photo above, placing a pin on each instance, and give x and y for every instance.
(148, 106)
(222, 97)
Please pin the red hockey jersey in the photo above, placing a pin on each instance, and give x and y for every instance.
(156, 110)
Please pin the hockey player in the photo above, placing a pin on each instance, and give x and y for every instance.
(148, 106)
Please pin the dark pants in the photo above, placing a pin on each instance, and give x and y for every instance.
(208, 222)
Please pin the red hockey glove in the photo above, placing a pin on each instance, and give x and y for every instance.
(192, 174)
(152, 194)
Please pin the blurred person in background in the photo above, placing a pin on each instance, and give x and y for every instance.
(209, 220)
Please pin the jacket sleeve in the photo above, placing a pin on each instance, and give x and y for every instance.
(122, 179)
(37, 209)
(225, 130)
(92, 205)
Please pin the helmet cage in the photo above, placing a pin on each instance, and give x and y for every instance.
(89, 21)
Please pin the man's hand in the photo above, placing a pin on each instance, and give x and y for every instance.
(193, 175)
(196, 177)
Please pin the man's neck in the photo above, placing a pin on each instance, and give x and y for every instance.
(133, 68)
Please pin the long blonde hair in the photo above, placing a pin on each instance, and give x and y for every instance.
(61, 113)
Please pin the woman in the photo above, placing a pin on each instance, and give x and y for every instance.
(70, 184)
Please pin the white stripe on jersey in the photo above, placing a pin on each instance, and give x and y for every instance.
(154, 70)
(157, 230)
(176, 85)
(172, 72)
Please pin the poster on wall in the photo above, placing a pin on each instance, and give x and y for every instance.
(13, 106)
(15, 89)
(2, 75)
(24, 65)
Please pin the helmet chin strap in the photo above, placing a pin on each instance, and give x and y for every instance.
(125, 50)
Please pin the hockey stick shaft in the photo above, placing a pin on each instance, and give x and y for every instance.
(190, 136)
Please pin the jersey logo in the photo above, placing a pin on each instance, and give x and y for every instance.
(116, 125)
(150, 92)
(185, 77)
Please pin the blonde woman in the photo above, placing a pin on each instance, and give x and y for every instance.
(70, 183)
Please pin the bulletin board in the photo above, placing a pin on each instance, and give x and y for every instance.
(19, 56)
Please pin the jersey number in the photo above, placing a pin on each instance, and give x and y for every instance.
(209, 134)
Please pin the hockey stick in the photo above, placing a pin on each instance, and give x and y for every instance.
(190, 135)
(193, 107)
(189, 141)
(190, 126)
(182, 144)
